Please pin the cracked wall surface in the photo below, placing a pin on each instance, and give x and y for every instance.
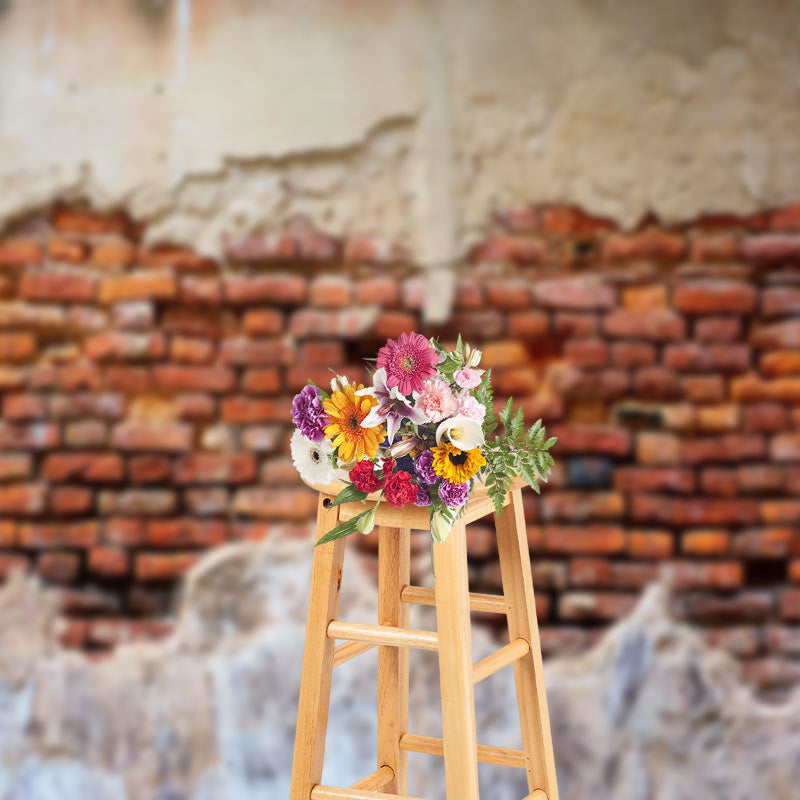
(399, 121)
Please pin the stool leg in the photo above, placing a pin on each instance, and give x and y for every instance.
(394, 572)
(512, 545)
(455, 666)
(315, 683)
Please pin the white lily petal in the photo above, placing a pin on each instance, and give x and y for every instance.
(373, 419)
(392, 425)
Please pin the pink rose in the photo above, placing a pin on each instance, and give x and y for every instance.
(468, 378)
(470, 407)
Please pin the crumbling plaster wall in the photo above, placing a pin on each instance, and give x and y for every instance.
(406, 122)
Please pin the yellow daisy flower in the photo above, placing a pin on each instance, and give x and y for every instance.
(457, 466)
(346, 412)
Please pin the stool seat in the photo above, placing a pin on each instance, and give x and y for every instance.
(451, 641)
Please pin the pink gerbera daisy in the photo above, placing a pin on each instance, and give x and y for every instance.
(408, 361)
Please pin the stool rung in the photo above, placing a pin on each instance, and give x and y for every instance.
(344, 652)
(512, 652)
(536, 795)
(332, 793)
(489, 755)
(491, 603)
(377, 781)
(383, 634)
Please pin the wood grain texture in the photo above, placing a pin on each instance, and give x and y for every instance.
(512, 652)
(512, 546)
(315, 682)
(394, 572)
(503, 756)
(383, 634)
(493, 604)
(455, 666)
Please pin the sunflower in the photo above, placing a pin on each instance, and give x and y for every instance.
(454, 465)
(347, 412)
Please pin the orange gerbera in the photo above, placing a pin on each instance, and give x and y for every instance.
(347, 411)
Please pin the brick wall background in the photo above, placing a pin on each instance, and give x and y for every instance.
(146, 393)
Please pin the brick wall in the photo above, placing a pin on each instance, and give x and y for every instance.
(146, 391)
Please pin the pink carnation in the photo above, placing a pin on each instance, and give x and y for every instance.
(470, 407)
(437, 401)
(408, 360)
(468, 378)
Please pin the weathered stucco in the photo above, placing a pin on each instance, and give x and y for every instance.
(406, 122)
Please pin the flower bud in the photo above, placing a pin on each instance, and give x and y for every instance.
(474, 357)
(338, 383)
(440, 528)
(366, 522)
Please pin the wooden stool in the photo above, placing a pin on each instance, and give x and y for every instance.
(453, 603)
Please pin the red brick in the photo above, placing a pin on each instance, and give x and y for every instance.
(780, 512)
(174, 378)
(391, 324)
(780, 300)
(656, 325)
(200, 290)
(166, 436)
(706, 542)
(654, 448)
(729, 448)
(528, 324)
(67, 251)
(191, 350)
(81, 535)
(149, 469)
(186, 532)
(89, 223)
(261, 502)
(595, 605)
(142, 285)
(658, 383)
(633, 354)
(715, 297)
(577, 506)
(244, 351)
(771, 248)
(652, 243)
(137, 502)
(377, 291)
(20, 252)
(712, 511)
(17, 346)
(263, 438)
(13, 564)
(703, 388)
(112, 253)
(70, 500)
(651, 544)
(60, 285)
(109, 562)
(215, 468)
(593, 538)
(249, 409)
(718, 418)
(35, 436)
(685, 575)
(690, 356)
(644, 298)
(785, 447)
(714, 247)
(747, 606)
(569, 324)
(172, 257)
(775, 542)
(794, 571)
(761, 478)
(262, 381)
(152, 567)
(574, 294)
(15, 466)
(24, 499)
(654, 479)
(789, 604)
(785, 219)
(516, 381)
(89, 467)
(206, 501)
(559, 220)
(514, 249)
(508, 294)
(23, 406)
(59, 567)
(277, 289)
(87, 433)
(720, 481)
(263, 322)
(125, 346)
(779, 335)
(330, 291)
(359, 249)
(587, 352)
(751, 388)
(780, 362)
(718, 329)
(592, 439)
(128, 379)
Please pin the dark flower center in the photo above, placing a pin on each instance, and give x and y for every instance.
(458, 458)
(408, 363)
(353, 422)
(316, 455)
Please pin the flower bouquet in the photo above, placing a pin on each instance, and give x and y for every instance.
(422, 434)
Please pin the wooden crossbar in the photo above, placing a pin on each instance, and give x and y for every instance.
(378, 780)
(491, 603)
(332, 793)
(512, 652)
(383, 634)
(344, 652)
(430, 745)
(537, 795)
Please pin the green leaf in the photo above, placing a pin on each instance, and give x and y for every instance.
(348, 495)
(343, 529)
(508, 410)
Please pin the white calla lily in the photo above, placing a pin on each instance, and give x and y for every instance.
(463, 432)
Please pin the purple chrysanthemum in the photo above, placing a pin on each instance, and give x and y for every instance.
(423, 498)
(454, 495)
(308, 414)
(423, 466)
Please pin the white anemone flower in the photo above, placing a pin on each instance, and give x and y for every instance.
(312, 459)
(463, 432)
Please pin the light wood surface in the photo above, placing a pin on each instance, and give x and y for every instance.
(455, 665)
(394, 572)
(376, 782)
(537, 795)
(383, 634)
(344, 652)
(501, 658)
(515, 568)
(332, 793)
(494, 604)
(502, 756)
(315, 683)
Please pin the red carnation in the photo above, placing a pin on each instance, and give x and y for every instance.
(364, 478)
(387, 468)
(400, 490)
